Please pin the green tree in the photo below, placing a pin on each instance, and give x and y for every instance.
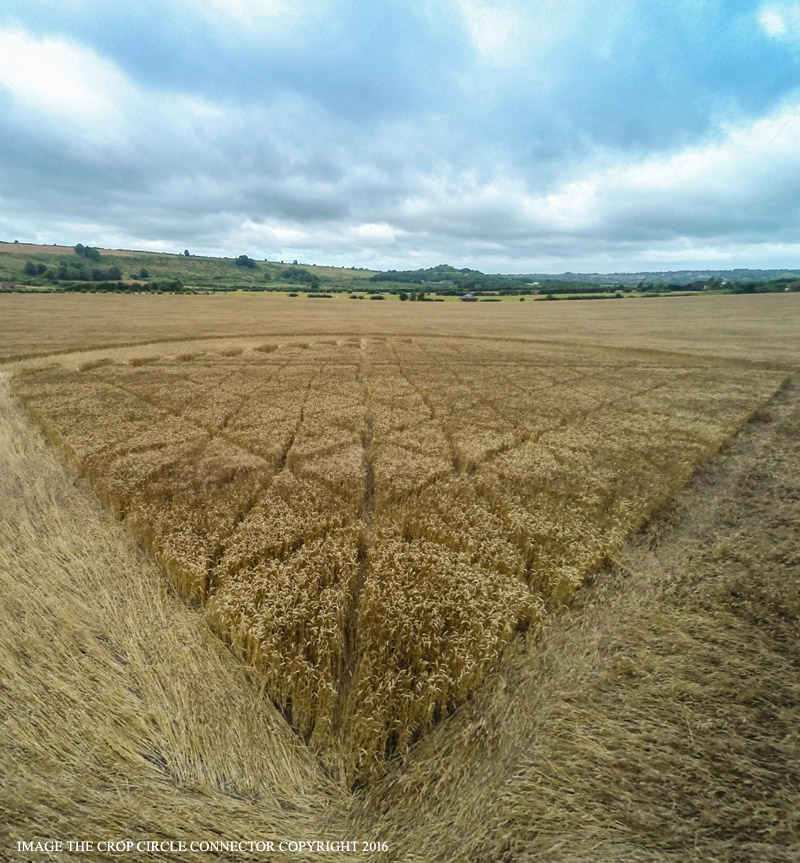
(298, 274)
(87, 252)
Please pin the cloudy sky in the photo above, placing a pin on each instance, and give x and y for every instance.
(510, 136)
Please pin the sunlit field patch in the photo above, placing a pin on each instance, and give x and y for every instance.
(372, 522)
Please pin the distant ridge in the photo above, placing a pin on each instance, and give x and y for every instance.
(447, 272)
(682, 276)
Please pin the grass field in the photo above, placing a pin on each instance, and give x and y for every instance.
(386, 513)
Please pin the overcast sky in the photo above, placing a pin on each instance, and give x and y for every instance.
(510, 136)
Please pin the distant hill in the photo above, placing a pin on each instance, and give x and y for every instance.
(447, 273)
(440, 273)
(446, 279)
(68, 268)
(31, 266)
(669, 276)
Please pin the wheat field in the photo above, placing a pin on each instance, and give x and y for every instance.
(758, 328)
(389, 532)
(371, 522)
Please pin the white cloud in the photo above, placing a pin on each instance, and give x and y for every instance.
(60, 78)
(282, 171)
(499, 31)
(755, 165)
(76, 97)
(738, 191)
(780, 20)
(569, 206)
(372, 232)
(270, 19)
(772, 22)
(536, 37)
